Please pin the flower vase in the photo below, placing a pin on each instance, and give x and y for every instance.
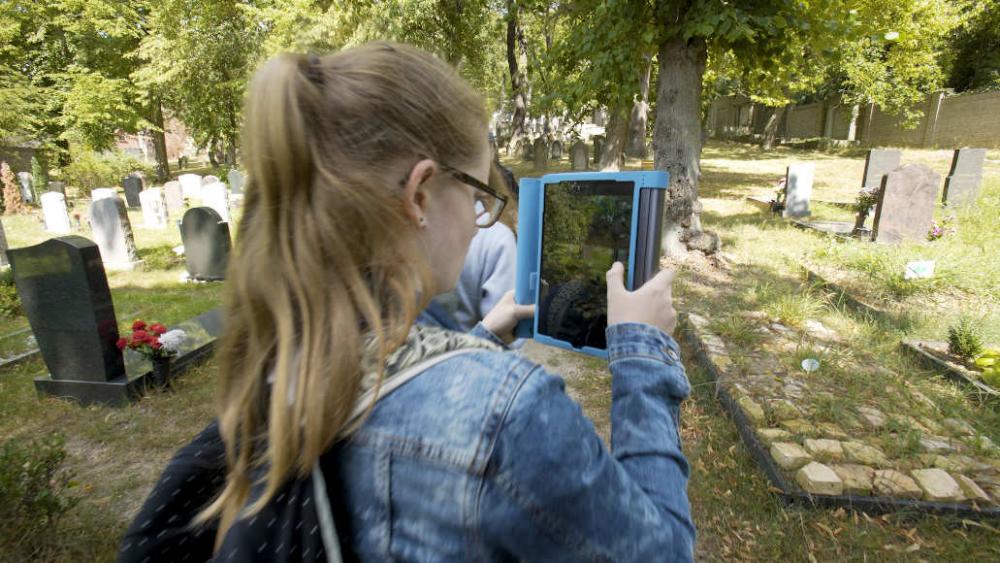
(161, 370)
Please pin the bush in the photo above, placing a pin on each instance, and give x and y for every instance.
(32, 492)
(10, 303)
(90, 170)
(964, 338)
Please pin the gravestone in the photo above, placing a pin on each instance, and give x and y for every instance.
(103, 193)
(541, 150)
(3, 246)
(154, 208)
(598, 141)
(59, 187)
(798, 189)
(190, 185)
(54, 213)
(526, 150)
(216, 196)
(206, 243)
(174, 195)
(207, 180)
(235, 178)
(24, 178)
(113, 233)
(578, 155)
(878, 163)
(961, 187)
(556, 152)
(65, 295)
(132, 185)
(906, 204)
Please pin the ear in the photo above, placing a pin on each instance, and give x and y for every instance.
(415, 194)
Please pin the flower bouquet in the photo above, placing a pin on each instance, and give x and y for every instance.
(154, 341)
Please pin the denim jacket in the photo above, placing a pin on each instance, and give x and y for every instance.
(483, 457)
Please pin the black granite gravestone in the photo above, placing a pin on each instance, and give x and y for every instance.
(961, 187)
(878, 163)
(206, 243)
(598, 141)
(132, 185)
(556, 150)
(65, 295)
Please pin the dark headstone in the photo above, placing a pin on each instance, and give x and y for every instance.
(798, 189)
(113, 233)
(968, 161)
(174, 194)
(878, 163)
(541, 150)
(66, 298)
(526, 150)
(132, 186)
(598, 141)
(3, 245)
(961, 187)
(906, 204)
(235, 181)
(556, 151)
(206, 243)
(59, 187)
(578, 155)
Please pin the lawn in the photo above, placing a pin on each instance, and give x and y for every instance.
(115, 455)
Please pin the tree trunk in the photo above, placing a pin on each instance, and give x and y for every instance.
(677, 136)
(615, 137)
(771, 129)
(211, 153)
(516, 75)
(160, 143)
(636, 147)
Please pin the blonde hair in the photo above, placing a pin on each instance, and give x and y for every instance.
(326, 256)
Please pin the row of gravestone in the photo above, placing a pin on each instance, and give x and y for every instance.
(64, 291)
(541, 151)
(961, 186)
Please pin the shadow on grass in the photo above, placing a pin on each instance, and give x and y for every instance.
(718, 182)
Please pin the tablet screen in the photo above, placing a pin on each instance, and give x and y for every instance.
(586, 227)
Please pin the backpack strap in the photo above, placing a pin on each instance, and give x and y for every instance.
(328, 529)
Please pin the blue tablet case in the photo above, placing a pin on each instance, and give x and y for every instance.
(529, 239)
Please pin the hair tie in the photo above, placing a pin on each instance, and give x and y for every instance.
(313, 70)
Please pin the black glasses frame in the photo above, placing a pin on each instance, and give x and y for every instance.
(467, 179)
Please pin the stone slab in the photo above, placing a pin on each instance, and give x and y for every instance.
(857, 479)
(789, 455)
(824, 450)
(798, 189)
(906, 203)
(938, 485)
(863, 454)
(818, 479)
(891, 483)
(878, 163)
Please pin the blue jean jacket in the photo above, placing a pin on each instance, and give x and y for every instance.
(483, 457)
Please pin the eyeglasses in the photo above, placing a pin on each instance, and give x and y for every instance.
(489, 203)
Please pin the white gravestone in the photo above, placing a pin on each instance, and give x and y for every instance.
(55, 214)
(216, 196)
(154, 208)
(103, 193)
(798, 189)
(190, 185)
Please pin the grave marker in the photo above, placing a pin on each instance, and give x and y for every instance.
(961, 187)
(66, 298)
(103, 193)
(236, 179)
(556, 151)
(541, 149)
(878, 163)
(132, 185)
(113, 233)
(216, 196)
(906, 204)
(206, 243)
(55, 214)
(208, 180)
(578, 155)
(174, 195)
(59, 187)
(190, 185)
(598, 141)
(24, 178)
(154, 208)
(798, 189)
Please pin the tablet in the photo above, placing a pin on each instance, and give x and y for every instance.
(572, 228)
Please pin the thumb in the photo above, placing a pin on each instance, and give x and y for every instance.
(616, 278)
(522, 312)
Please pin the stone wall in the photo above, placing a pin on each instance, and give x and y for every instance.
(947, 121)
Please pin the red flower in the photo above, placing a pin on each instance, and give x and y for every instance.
(140, 336)
(122, 343)
(155, 344)
(138, 325)
(157, 329)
